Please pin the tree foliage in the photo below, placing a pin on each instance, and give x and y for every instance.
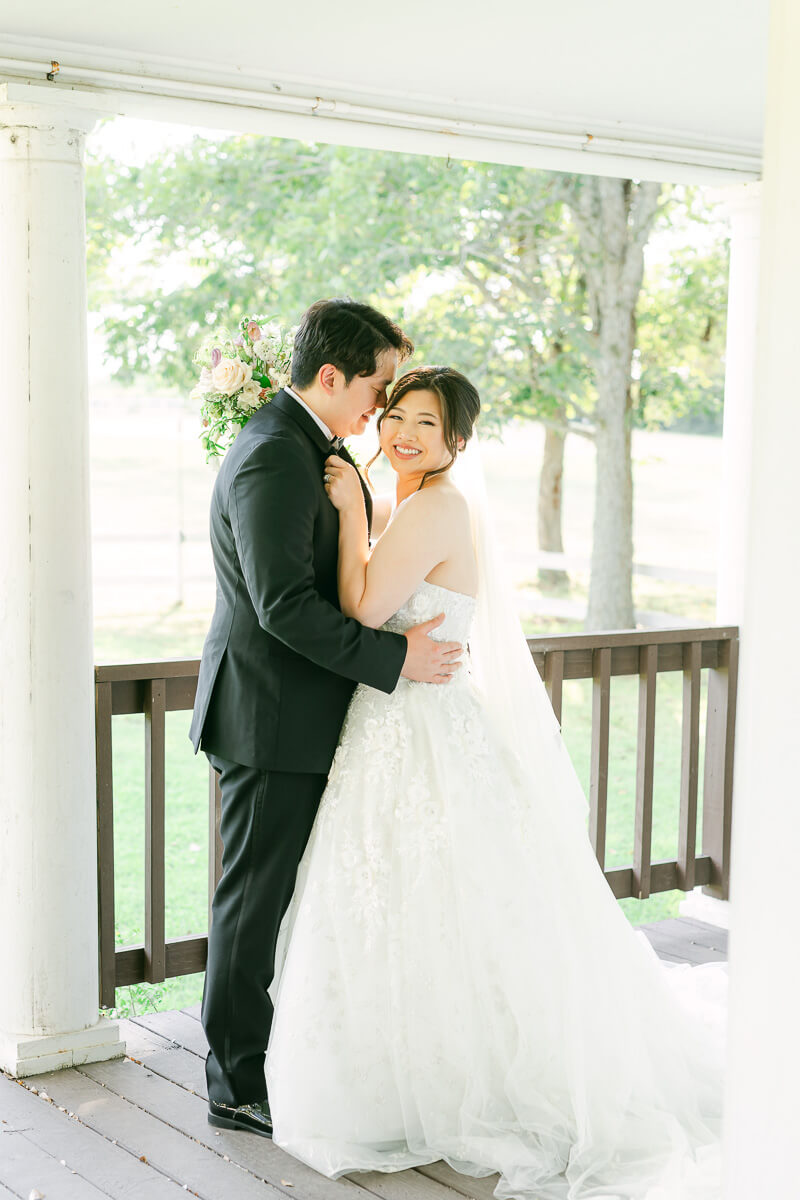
(481, 262)
(530, 282)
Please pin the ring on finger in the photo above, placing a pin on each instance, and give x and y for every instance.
(326, 478)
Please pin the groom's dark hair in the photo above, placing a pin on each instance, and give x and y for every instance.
(347, 334)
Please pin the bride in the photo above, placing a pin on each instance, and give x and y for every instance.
(456, 980)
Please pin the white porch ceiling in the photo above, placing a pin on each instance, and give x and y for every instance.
(682, 84)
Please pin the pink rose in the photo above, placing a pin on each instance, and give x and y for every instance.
(253, 331)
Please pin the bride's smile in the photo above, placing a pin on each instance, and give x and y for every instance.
(412, 436)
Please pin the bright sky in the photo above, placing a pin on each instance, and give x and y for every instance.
(133, 141)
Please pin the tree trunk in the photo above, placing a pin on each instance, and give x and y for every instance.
(549, 507)
(614, 218)
(611, 583)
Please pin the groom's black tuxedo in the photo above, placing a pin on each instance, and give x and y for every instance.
(280, 661)
(278, 669)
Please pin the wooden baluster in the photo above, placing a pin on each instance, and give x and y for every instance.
(598, 782)
(554, 679)
(154, 947)
(690, 752)
(645, 747)
(105, 844)
(718, 774)
(214, 839)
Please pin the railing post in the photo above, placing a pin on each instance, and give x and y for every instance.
(690, 750)
(554, 679)
(154, 898)
(645, 757)
(105, 845)
(598, 781)
(718, 774)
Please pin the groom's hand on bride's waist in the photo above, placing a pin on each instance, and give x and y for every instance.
(428, 661)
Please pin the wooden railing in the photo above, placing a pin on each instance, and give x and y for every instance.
(598, 656)
(154, 689)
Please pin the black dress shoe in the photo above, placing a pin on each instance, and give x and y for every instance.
(255, 1118)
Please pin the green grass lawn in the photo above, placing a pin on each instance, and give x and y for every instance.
(179, 634)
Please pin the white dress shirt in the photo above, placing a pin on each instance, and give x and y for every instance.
(310, 411)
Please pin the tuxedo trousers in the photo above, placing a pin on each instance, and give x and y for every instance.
(265, 821)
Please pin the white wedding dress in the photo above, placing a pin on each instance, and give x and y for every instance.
(456, 981)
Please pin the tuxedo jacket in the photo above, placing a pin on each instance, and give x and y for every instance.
(280, 661)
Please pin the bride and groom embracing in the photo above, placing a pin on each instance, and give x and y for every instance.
(413, 953)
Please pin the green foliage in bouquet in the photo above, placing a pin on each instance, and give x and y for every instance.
(238, 374)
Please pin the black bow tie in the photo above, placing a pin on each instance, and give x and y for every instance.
(336, 445)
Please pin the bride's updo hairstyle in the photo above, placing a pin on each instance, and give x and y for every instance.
(458, 400)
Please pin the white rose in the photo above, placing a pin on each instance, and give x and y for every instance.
(251, 395)
(230, 374)
(203, 386)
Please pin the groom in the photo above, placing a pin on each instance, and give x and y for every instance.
(278, 669)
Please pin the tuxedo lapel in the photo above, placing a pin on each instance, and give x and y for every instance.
(289, 406)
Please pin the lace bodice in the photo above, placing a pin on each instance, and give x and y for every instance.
(426, 602)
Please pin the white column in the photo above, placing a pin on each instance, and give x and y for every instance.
(743, 204)
(763, 1098)
(48, 864)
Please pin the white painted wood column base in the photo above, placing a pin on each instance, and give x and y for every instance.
(49, 1004)
(22, 1055)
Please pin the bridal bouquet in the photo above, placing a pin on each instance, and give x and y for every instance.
(237, 375)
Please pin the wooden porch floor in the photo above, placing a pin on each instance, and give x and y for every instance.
(136, 1128)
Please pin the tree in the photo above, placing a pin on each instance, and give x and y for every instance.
(509, 274)
(614, 218)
